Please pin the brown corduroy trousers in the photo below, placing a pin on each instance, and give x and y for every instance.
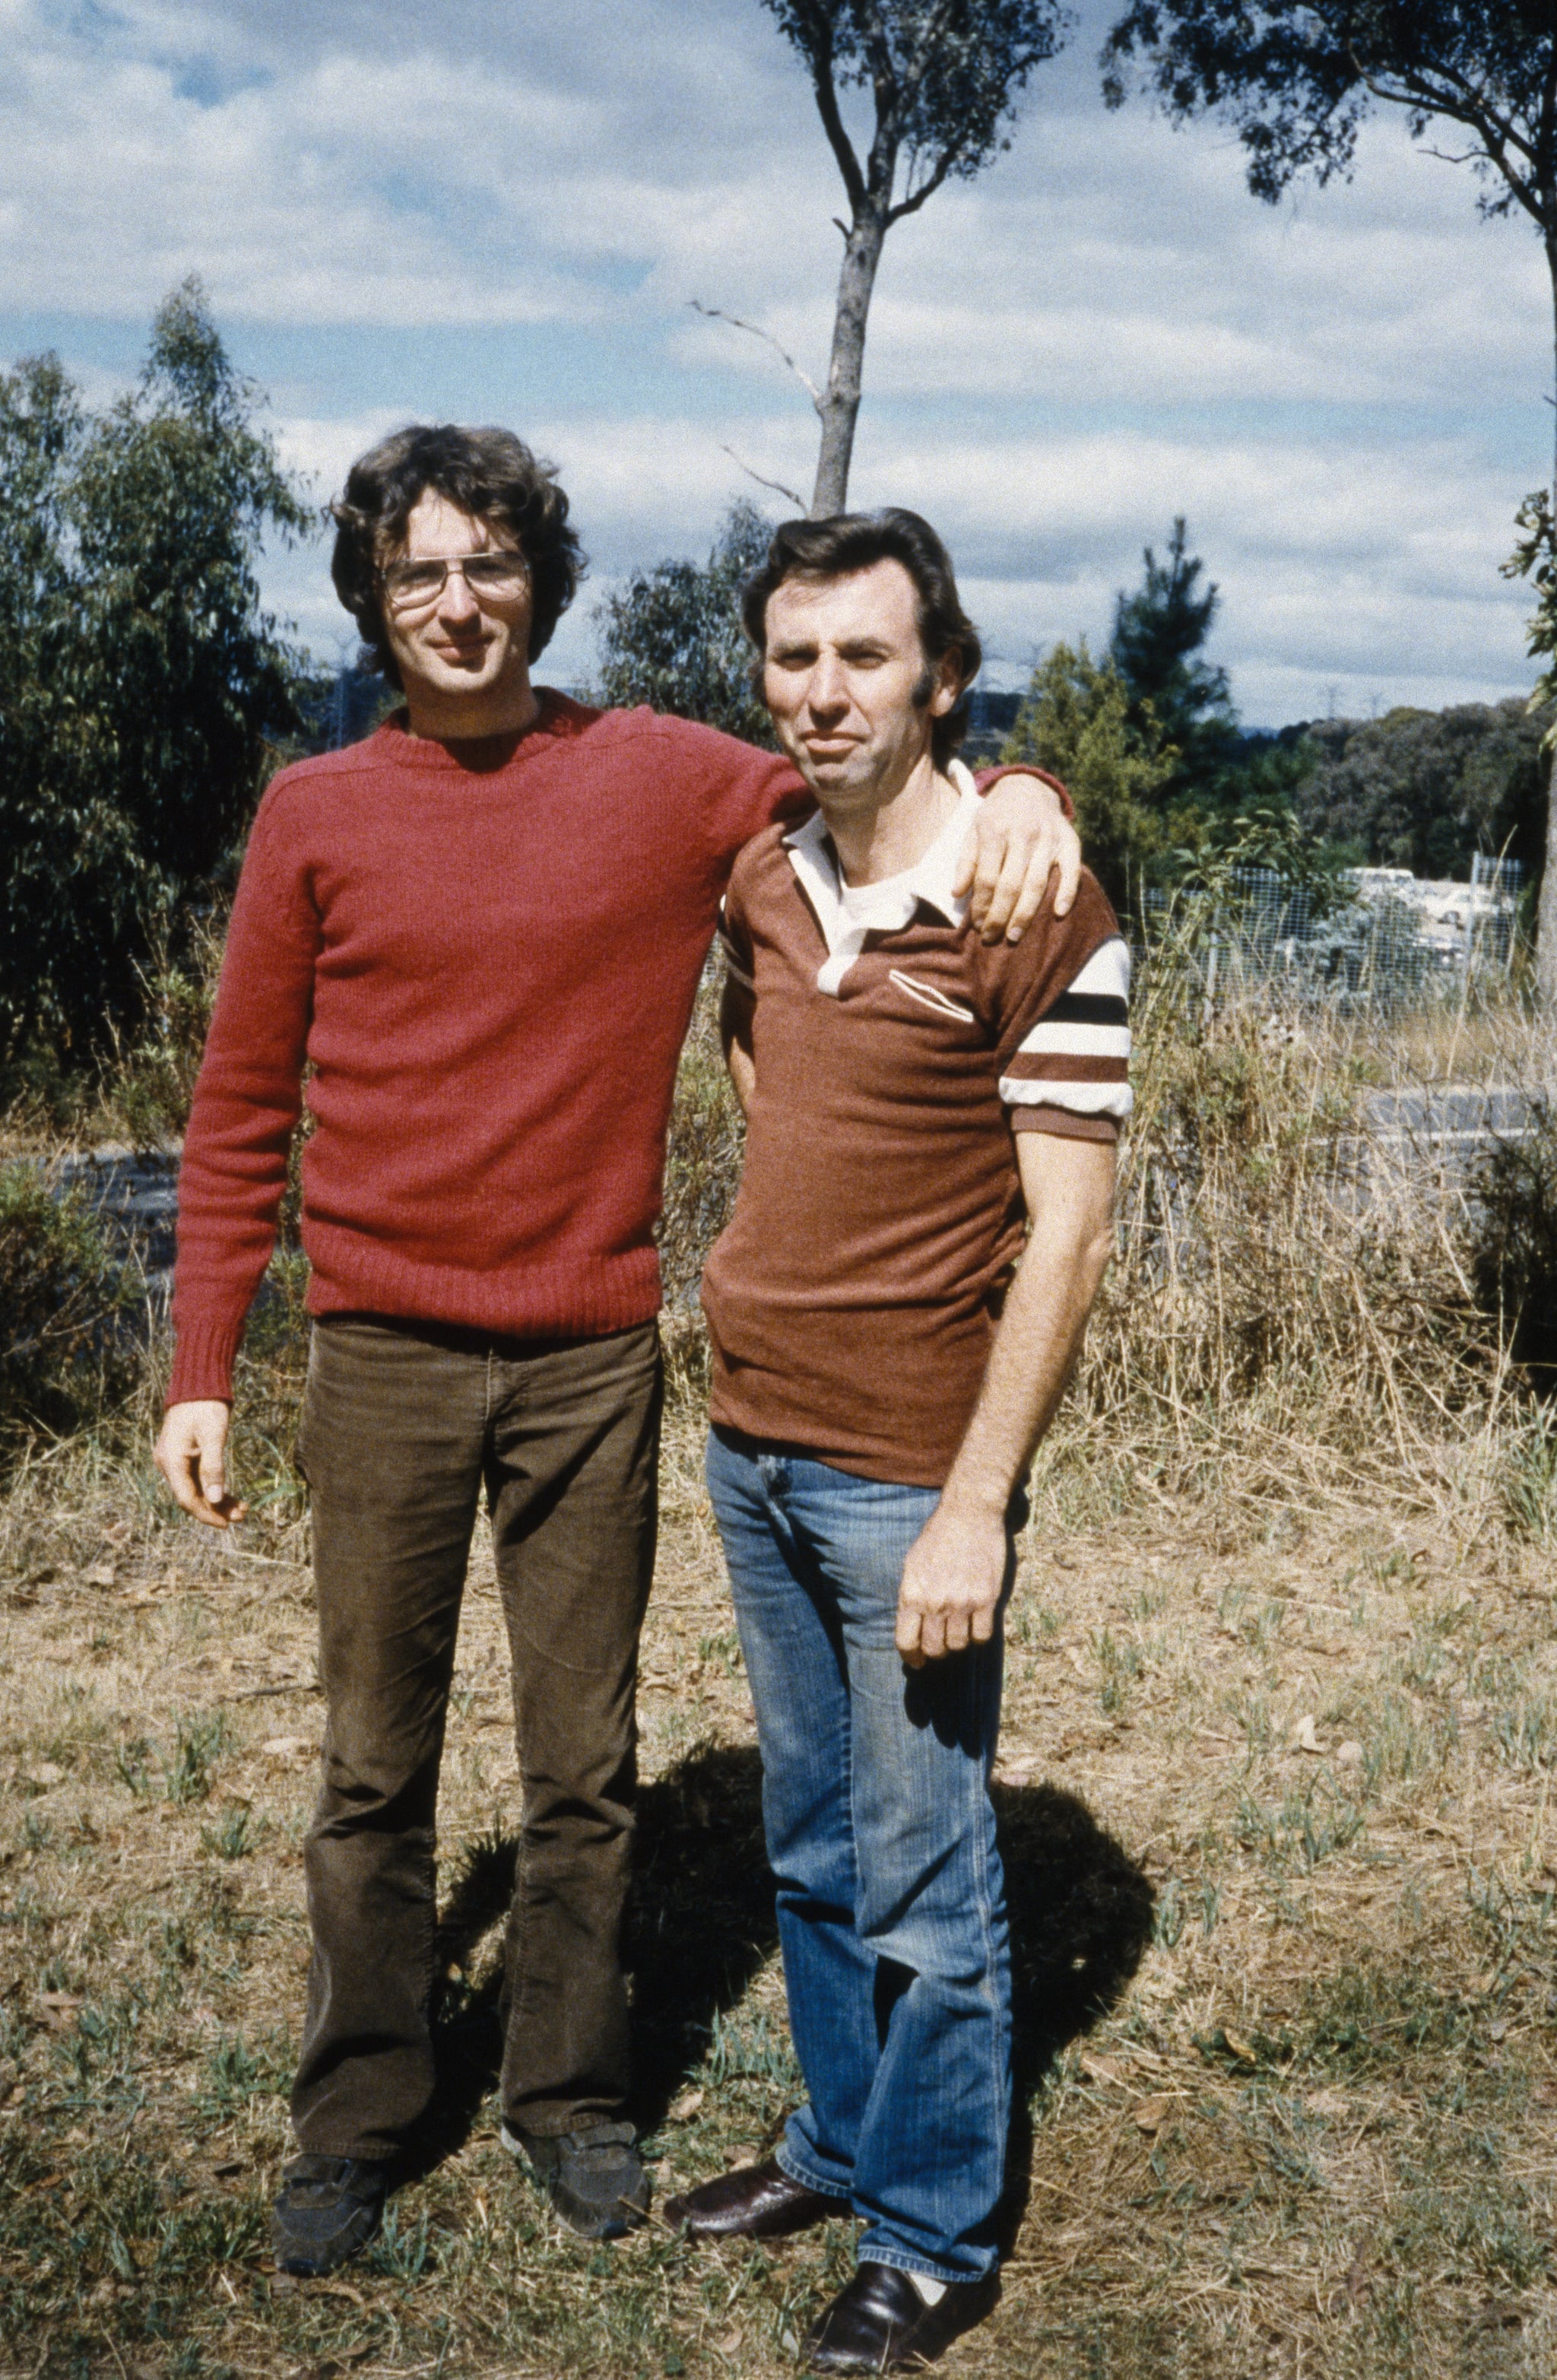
(403, 1424)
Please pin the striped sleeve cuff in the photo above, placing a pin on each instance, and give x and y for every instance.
(1076, 1058)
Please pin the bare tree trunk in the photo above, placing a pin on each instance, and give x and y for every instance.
(1546, 920)
(1546, 917)
(840, 403)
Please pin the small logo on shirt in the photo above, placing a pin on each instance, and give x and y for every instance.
(929, 997)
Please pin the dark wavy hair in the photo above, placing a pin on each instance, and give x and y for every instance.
(849, 541)
(489, 474)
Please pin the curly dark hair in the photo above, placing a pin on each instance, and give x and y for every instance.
(489, 474)
(849, 541)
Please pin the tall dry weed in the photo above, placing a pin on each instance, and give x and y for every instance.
(1295, 1299)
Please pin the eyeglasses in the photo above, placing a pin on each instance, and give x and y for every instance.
(491, 577)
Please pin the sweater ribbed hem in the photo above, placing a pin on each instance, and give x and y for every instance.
(581, 1300)
(203, 1360)
(587, 1301)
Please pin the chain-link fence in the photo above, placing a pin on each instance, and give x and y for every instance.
(1390, 940)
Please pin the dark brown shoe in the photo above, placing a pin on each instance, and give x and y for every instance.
(881, 2323)
(756, 2201)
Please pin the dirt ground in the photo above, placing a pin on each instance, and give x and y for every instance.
(1275, 1808)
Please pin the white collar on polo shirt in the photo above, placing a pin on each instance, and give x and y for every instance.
(889, 904)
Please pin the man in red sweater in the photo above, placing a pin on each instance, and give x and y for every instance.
(482, 928)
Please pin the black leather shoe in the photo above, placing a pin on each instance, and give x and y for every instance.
(326, 2209)
(881, 2323)
(756, 2201)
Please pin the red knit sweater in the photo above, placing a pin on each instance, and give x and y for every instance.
(489, 961)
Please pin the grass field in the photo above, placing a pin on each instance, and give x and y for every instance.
(1315, 2131)
(1281, 1727)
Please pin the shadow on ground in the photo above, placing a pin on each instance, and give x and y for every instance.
(702, 1927)
(1082, 1912)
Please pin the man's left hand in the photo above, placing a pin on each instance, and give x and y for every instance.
(951, 1585)
(1020, 837)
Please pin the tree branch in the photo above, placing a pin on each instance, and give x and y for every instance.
(776, 485)
(717, 314)
(892, 102)
(1443, 91)
(915, 198)
(820, 53)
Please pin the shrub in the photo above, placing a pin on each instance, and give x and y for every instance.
(148, 1093)
(70, 1349)
(1513, 1242)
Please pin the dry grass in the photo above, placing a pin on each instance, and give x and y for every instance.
(1319, 2123)
(1280, 1651)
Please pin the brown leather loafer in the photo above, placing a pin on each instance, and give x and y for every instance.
(881, 2323)
(756, 2201)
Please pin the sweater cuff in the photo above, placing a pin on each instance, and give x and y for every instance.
(988, 777)
(204, 1353)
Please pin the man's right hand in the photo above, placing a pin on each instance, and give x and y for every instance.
(191, 1454)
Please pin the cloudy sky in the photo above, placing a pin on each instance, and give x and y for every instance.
(501, 211)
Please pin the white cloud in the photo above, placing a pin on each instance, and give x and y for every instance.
(1344, 395)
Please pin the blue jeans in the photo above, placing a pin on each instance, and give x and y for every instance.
(891, 1902)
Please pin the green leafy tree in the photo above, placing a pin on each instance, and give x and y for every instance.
(1428, 789)
(1081, 722)
(1296, 78)
(943, 76)
(142, 687)
(672, 637)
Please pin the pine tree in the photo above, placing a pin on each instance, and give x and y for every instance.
(1158, 633)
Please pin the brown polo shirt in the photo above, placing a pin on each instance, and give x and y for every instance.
(853, 1297)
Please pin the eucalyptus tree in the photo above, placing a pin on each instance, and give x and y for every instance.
(1296, 78)
(672, 637)
(142, 685)
(944, 79)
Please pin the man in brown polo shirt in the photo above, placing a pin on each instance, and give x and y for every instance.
(885, 1358)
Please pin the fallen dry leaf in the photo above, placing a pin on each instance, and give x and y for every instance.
(337, 2290)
